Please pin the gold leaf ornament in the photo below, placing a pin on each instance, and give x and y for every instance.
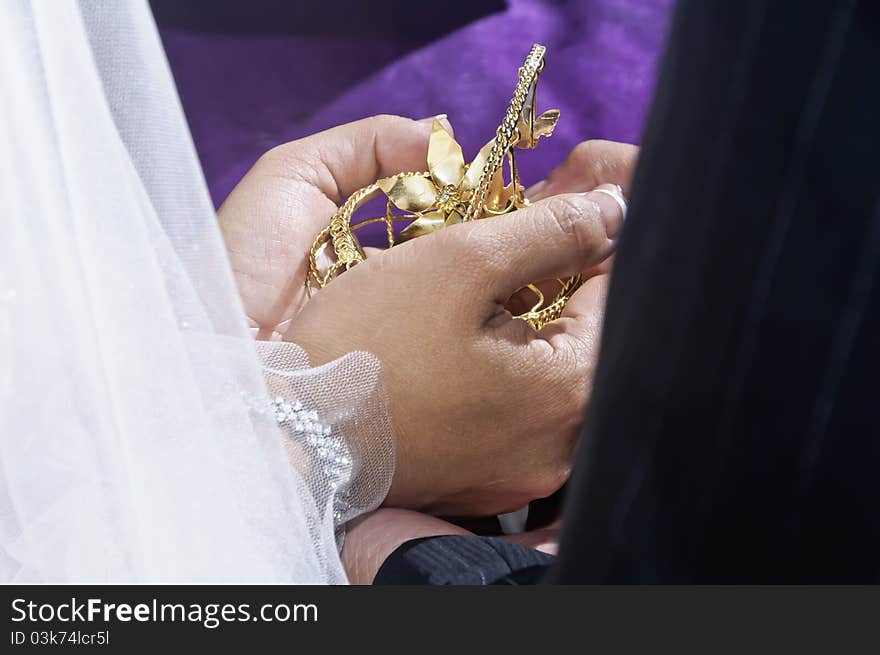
(441, 198)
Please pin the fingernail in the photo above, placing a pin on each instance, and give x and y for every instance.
(609, 210)
(443, 121)
(431, 119)
(536, 191)
(550, 548)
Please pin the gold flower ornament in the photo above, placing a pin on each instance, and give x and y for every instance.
(442, 197)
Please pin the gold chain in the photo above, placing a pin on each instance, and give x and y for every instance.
(341, 236)
(504, 135)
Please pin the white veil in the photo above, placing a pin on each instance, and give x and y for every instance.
(137, 440)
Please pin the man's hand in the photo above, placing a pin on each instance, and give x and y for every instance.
(372, 538)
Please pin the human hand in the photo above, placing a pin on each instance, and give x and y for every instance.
(271, 218)
(589, 165)
(372, 538)
(485, 409)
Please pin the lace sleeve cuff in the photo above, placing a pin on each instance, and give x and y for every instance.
(337, 428)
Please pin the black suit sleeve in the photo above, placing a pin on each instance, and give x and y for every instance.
(463, 560)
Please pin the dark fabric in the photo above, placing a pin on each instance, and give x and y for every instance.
(734, 430)
(733, 434)
(462, 560)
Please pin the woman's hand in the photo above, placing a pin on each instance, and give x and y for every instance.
(271, 218)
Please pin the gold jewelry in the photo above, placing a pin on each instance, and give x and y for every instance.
(451, 192)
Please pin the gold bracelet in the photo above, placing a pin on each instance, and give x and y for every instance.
(450, 192)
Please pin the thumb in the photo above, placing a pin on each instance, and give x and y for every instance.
(556, 237)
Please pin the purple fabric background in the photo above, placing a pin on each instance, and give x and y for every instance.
(246, 90)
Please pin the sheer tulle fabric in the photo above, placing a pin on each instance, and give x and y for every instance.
(137, 433)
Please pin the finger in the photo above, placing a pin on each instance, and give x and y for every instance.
(343, 159)
(589, 164)
(372, 537)
(557, 237)
(525, 299)
(581, 321)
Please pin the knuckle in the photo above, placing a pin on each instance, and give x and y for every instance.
(383, 122)
(292, 160)
(584, 150)
(575, 217)
(276, 156)
(568, 210)
(604, 161)
(588, 157)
